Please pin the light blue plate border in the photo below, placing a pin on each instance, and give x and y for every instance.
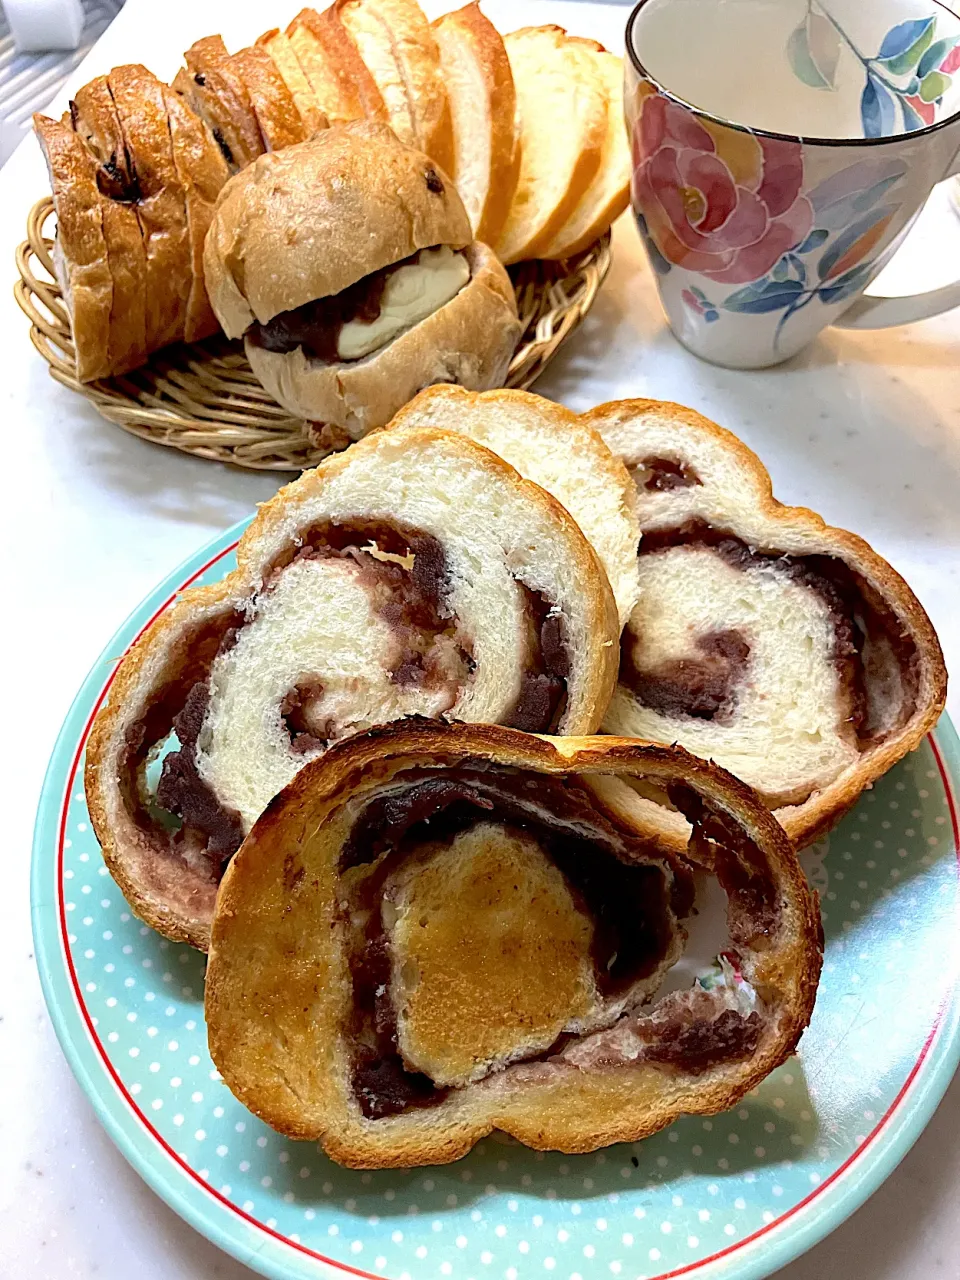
(801, 1226)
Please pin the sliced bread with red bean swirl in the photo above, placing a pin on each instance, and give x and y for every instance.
(787, 651)
(440, 930)
(415, 574)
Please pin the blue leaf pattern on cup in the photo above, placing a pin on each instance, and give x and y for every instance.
(877, 109)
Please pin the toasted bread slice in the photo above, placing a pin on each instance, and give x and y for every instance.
(483, 108)
(93, 115)
(161, 201)
(563, 120)
(80, 250)
(338, 76)
(407, 952)
(609, 192)
(397, 45)
(215, 91)
(278, 45)
(203, 173)
(278, 116)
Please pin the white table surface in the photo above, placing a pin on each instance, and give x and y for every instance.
(863, 427)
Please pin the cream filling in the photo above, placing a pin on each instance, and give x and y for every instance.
(410, 295)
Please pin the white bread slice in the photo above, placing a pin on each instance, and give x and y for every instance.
(278, 45)
(483, 106)
(557, 450)
(563, 120)
(278, 116)
(340, 79)
(161, 205)
(93, 114)
(477, 951)
(503, 613)
(784, 649)
(203, 172)
(395, 41)
(80, 249)
(608, 194)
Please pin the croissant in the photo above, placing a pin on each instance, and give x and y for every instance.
(438, 930)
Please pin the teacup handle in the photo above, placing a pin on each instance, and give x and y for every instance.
(872, 311)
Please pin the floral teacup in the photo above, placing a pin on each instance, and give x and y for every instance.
(781, 151)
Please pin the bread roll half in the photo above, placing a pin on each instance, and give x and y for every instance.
(416, 574)
(437, 931)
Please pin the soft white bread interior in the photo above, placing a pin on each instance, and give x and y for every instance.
(415, 574)
(307, 222)
(563, 118)
(394, 39)
(609, 192)
(469, 340)
(433, 932)
(784, 649)
(554, 448)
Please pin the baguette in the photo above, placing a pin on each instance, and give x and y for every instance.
(338, 76)
(278, 45)
(407, 951)
(483, 106)
(414, 574)
(93, 114)
(278, 116)
(557, 450)
(395, 41)
(80, 249)
(563, 119)
(785, 650)
(609, 193)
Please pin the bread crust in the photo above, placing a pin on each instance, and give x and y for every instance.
(219, 95)
(278, 116)
(273, 955)
(469, 341)
(798, 530)
(470, 26)
(278, 45)
(339, 77)
(173, 897)
(81, 252)
(342, 205)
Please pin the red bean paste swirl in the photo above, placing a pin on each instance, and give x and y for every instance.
(629, 900)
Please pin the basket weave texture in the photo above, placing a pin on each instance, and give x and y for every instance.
(204, 399)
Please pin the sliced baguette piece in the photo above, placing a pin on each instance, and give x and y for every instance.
(217, 94)
(161, 204)
(278, 45)
(80, 249)
(203, 173)
(563, 121)
(93, 115)
(338, 76)
(787, 651)
(483, 107)
(478, 954)
(396, 43)
(608, 194)
(278, 116)
(483, 602)
(560, 452)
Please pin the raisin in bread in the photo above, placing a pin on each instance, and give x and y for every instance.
(437, 931)
(415, 574)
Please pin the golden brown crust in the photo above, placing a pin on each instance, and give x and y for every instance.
(470, 25)
(338, 75)
(176, 649)
(219, 90)
(281, 124)
(161, 206)
(278, 45)
(468, 341)
(812, 819)
(81, 251)
(342, 205)
(274, 902)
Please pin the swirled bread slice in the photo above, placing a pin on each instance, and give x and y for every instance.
(785, 650)
(554, 448)
(437, 931)
(415, 574)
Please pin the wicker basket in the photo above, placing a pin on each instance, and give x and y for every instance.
(204, 399)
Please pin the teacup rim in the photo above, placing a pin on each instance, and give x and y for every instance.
(803, 139)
